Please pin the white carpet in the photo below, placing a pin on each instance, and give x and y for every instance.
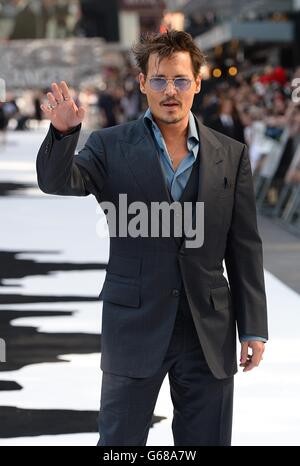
(267, 399)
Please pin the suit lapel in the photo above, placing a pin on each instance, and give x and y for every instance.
(211, 164)
(210, 175)
(141, 155)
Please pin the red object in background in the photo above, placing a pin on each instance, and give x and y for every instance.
(278, 75)
(163, 28)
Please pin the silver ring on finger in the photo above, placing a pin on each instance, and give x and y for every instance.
(51, 107)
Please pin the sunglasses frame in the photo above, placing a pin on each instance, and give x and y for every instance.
(173, 82)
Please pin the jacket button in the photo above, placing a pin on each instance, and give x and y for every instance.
(175, 292)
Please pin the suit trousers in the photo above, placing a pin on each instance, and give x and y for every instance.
(202, 404)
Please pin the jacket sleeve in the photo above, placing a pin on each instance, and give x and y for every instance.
(244, 257)
(61, 171)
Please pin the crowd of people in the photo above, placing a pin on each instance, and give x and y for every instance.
(262, 110)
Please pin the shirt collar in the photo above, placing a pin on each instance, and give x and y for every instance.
(192, 139)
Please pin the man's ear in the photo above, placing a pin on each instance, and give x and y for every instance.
(142, 80)
(198, 84)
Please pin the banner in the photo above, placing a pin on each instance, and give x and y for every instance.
(34, 64)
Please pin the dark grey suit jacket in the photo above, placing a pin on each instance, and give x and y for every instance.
(144, 275)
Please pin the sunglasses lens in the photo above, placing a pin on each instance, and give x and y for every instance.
(182, 84)
(157, 84)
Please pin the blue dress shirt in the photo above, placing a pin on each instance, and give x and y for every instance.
(176, 179)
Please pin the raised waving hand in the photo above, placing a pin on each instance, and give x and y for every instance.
(61, 109)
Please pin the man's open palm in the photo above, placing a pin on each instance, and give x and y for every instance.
(61, 109)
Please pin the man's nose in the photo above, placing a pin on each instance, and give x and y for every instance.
(170, 89)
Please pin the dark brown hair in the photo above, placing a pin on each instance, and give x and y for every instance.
(165, 44)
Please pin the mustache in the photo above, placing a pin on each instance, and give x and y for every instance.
(170, 101)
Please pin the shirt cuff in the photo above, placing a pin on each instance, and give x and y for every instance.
(252, 338)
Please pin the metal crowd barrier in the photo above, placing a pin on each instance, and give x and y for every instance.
(287, 207)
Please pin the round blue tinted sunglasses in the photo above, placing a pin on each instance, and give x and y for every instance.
(160, 84)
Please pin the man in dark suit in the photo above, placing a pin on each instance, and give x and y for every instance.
(167, 307)
(227, 120)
